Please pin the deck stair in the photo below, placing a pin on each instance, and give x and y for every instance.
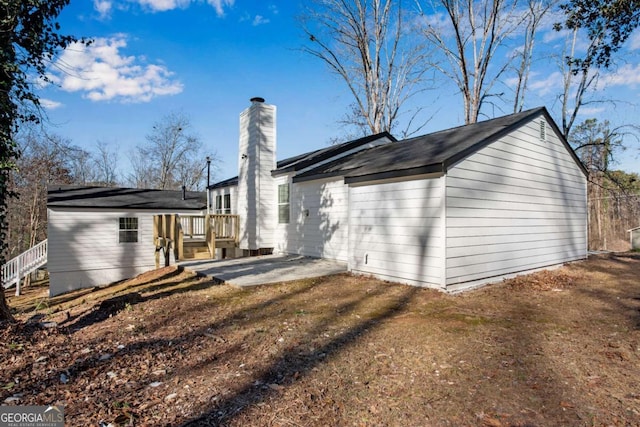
(193, 236)
(26, 263)
(195, 249)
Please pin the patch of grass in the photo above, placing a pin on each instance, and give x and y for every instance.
(42, 305)
(121, 405)
(15, 346)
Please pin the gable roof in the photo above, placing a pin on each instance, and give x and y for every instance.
(73, 196)
(226, 183)
(305, 160)
(425, 154)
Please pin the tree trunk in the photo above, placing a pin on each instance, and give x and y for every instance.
(5, 313)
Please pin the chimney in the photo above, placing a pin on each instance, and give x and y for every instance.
(184, 192)
(256, 188)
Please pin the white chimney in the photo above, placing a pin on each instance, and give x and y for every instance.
(256, 188)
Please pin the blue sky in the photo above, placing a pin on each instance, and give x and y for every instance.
(206, 59)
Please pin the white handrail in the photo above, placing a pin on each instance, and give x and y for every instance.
(27, 262)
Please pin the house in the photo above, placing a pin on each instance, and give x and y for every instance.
(634, 238)
(450, 210)
(101, 235)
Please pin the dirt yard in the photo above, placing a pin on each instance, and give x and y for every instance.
(169, 348)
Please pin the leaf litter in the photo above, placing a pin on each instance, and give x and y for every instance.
(559, 347)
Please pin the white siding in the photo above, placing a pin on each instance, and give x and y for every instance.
(232, 191)
(84, 250)
(320, 219)
(256, 190)
(516, 205)
(396, 231)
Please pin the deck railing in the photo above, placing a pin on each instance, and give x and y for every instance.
(170, 232)
(192, 225)
(224, 226)
(25, 263)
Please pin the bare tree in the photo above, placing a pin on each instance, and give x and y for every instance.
(172, 157)
(468, 33)
(533, 19)
(576, 83)
(106, 165)
(141, 175)
(43, 161)
(368, 43)
(80, 163)
(614, 196)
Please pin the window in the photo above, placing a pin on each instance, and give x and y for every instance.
(543, 130)
(218, 204)
(283, 203)
(128, 230)
(227, 203)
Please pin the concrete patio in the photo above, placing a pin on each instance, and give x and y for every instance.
(259, 270)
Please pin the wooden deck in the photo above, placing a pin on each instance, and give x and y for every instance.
(193, 236)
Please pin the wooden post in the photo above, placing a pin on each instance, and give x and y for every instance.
(236, 232)
(211, 242)
(179, 249)
(207, 234)
(172, 226)
(156, 227)
(164, 227)
(19, 274)
(167, 252)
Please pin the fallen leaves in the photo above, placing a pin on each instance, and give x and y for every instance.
(343, 351)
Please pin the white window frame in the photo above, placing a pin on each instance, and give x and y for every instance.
(128, 226)
(227, 203)
(284, 206)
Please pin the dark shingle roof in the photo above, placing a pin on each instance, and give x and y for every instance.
(430, 153)
(309, 159)
(123, 198)
(305, 160)
(225, 183)
(424, 154)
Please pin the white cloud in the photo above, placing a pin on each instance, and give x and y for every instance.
(163, 5)
(259, 20)
(48, 104)
(103, 7)
(221, 5)
(547, 85)
(102, 73)
(627, 75)
(591, 111)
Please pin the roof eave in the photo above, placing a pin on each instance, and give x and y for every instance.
(420, 170)
(314, 177)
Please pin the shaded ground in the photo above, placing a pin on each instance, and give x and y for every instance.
(169, 348)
